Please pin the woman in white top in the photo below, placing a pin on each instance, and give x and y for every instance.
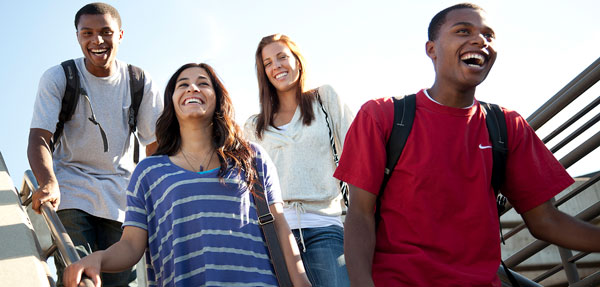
(295, 126)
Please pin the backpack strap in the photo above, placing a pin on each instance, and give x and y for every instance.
(404, 115)
(69, 101)
(496, 125)
(136, 86)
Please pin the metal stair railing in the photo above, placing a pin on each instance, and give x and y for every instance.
(574, 89)
(61, 241)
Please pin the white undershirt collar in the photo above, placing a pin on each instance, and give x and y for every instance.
(427, 94)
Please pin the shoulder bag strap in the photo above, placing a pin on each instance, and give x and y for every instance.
(266, 221)
(343, 185)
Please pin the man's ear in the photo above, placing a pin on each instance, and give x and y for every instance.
(430, 50)
(120, 35)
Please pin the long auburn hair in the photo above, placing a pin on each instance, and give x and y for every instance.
(231, 147)
(269, 101)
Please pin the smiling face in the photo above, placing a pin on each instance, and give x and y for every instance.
(463, 52)
(99, 36)
(194, 95)
(281, 66)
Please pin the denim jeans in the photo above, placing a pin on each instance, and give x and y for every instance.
(90, 233)
(324, 257)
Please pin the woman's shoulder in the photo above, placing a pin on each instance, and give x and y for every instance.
(258, 149)
(152, 162)
(326, 92)
(260, 153)
(250, 127)
(330, 98)
(251, 121)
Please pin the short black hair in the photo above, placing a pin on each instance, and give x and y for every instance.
(440, 18)
(98, 9)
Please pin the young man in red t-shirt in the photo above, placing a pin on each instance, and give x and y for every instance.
(439, 224)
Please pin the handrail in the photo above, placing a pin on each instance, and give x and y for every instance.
(558, 202)
(576, 133)
(591, 280)
(536, 246)
(572, 120)
(566, 95)
(559, 267)
(582, 150)
(573, 90)
(62, 241)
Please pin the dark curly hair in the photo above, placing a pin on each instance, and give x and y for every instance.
(232, 149)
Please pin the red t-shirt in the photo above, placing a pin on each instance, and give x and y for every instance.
(439, 223)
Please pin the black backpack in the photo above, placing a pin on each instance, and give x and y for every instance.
(404, 114)
(71, 97)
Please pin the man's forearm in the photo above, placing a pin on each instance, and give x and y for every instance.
(40, 156)
(359, 247)
(40, 160)
(549, 224)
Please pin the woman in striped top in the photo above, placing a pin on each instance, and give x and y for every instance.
(189, 205)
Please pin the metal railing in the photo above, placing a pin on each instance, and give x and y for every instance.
(61, 241)
(557, 103)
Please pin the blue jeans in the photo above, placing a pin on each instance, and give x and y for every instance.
(90, 233)
(324, 257)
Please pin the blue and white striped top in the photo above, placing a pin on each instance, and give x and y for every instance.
(201, 232)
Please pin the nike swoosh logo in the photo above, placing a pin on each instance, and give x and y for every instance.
(484, 146)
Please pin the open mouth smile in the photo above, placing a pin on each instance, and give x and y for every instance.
(281, 75)
(193, 100)
(98, 51)
(473, 59)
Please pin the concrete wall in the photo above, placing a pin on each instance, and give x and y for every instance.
(20, 263)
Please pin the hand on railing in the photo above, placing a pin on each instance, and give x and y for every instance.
(60, 237)
(47, 193)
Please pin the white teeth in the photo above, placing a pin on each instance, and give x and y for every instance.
(473, 59)
(192, 100)
(98, 50)
(278, 76)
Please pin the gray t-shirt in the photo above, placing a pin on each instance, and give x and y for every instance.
(89, 178)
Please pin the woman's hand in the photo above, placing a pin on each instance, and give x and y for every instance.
(90, 265)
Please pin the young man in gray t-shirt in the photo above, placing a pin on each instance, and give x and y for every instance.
(83, 181)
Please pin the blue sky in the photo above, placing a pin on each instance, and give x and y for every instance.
(364, 49)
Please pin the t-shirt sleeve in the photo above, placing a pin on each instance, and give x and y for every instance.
(48, 101)
(533, 174)
(268, 174)
(136, 212)
(363, 159)
(150, 109)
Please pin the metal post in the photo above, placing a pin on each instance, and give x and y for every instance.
(569, 267)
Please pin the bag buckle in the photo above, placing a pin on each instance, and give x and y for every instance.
(266, 219)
